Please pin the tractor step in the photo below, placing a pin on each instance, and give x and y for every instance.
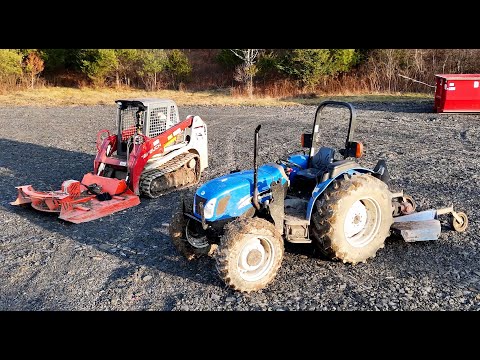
(299, 241)
(292, 220)
(296, 229)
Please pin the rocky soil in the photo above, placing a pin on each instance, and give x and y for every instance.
(126, 261)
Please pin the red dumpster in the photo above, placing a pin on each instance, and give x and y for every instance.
(457, 93)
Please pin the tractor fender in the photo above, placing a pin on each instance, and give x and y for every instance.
(320, 188)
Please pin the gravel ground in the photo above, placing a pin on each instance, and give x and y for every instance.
(126, 261)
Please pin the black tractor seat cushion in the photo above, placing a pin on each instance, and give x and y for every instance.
(323, 157)
(319, 163)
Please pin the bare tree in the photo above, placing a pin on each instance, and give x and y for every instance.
(246, 71)
(33, 67)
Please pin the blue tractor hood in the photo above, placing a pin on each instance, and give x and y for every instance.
(230, 195)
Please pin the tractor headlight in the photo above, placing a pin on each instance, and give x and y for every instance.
(209, 208)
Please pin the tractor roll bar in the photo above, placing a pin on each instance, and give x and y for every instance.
(351, 125)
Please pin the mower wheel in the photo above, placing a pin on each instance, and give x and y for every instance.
(403, 205)
(250, 254)
(186, 235)
(460, 227)
(352, 218)
(412, 202)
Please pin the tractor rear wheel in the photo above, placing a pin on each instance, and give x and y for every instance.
(250, 254)
(352, 218)
(187, 235)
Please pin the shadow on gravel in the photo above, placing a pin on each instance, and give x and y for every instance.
(43, 167)
(22, 300)
(138, 236)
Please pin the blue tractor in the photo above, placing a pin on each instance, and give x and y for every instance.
(243, 218)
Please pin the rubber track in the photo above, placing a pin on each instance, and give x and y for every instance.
(170, 166)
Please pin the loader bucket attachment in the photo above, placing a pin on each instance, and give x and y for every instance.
(76, 202)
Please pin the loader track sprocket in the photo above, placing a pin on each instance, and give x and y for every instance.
(173, 175)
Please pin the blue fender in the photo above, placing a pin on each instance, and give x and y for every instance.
(320, 188)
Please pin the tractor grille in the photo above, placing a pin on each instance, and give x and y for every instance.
(198, 200)
(158, 121)
(128, 122)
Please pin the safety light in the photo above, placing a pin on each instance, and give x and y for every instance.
(358, 150)
(306, 140)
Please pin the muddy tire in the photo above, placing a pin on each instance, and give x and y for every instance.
(352, 219)
(249, 255)
(179, 232)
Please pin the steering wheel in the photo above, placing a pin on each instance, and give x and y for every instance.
(289, 163)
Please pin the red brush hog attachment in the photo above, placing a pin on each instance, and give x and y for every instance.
(77, 202)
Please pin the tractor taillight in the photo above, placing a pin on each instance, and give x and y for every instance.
(359, 150)
(306, 140)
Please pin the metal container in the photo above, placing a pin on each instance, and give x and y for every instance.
(457, 93)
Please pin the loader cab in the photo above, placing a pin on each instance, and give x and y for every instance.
(323, 162)
(148, 117)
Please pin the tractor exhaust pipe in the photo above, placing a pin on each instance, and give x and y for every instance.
(255, 170)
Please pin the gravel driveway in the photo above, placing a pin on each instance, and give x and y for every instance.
(126, 261)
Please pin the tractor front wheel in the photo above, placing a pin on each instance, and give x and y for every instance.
(188, 236)
(353, 218)
(250, 254)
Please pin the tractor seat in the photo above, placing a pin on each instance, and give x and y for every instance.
(319, 163)
(325, 167)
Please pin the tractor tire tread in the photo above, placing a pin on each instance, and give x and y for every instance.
(326, 217)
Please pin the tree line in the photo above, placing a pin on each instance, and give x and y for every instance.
(276, 72)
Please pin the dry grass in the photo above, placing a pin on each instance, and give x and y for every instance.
(63, 96)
